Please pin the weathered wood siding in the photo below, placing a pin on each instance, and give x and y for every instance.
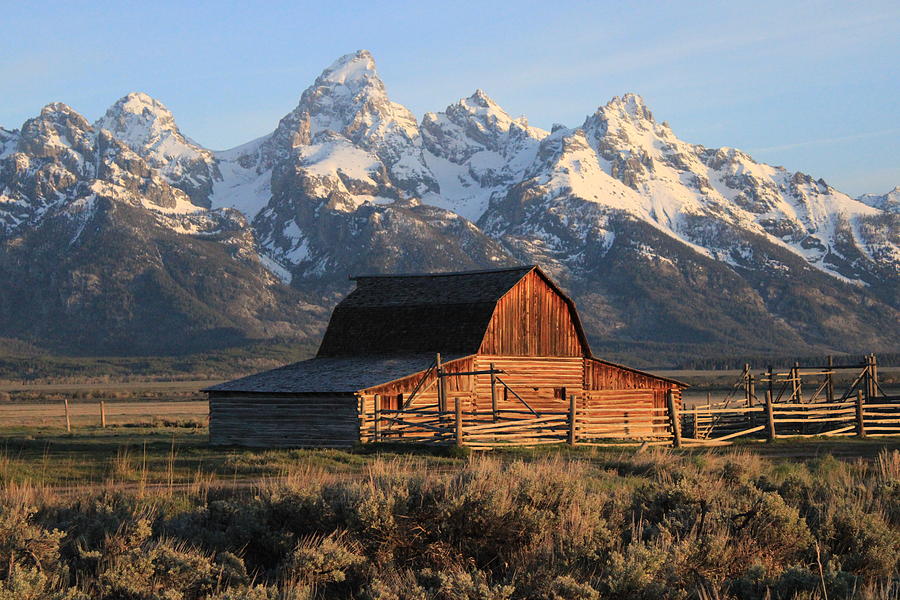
(539, 380)
(398, 391)
(394, 394)
(532, 320)
(603, 376)
(282, 420)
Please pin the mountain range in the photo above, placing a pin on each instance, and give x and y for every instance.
(124, 236)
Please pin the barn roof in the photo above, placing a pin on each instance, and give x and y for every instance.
(425, 312)
(331, 375)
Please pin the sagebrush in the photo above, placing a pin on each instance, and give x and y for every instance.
(652, 525)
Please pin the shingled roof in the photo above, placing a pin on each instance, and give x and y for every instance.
(417, 313)
(330, 375)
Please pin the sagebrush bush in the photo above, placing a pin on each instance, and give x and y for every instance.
(653, 525)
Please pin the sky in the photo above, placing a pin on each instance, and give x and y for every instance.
(811, 86)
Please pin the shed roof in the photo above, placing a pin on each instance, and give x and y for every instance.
(413, 313)
(331, 374)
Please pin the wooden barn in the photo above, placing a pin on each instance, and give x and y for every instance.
(489, 345)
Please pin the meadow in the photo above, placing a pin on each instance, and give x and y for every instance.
(179, 521)
(145, 509)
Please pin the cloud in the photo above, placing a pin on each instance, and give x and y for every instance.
(825, 141)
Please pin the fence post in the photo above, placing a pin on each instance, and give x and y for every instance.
(674, 420)
(795, 383)
(860, 422)
(867, 378)
(102, 414)
(377, 417)
(68, 422)
(770, 417)
(493, 394)
(829, 380)
(572, 417)
(746, 377)
(874, 375)
(459, 431)
(441, 390)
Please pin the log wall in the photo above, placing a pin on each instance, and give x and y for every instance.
(283, 420)
(539, 380)
(599, 375)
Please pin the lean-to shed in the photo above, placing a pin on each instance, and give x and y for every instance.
(386, 338)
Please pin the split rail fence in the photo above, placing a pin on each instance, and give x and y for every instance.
(611, 426)
(605, 421)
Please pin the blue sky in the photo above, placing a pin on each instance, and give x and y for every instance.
(812, 86)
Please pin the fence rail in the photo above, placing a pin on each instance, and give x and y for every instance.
(630, 424)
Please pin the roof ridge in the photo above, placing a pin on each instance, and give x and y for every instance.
(442, 274)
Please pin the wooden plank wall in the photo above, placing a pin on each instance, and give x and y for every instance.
(537, 379)
(396, 392)
(532, 320)
(283, 421)
(625, 412)
(405, 386)
(602, 376)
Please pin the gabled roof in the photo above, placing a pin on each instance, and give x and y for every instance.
(413, 313)
(331, 375)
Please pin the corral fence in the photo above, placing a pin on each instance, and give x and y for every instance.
(595, 419)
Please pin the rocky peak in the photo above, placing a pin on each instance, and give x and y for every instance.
(627, 120)
(147, 127)
(139, 120)
(474, 124)
(348, 99)
(479, 109)
(354, 71)
(629, 106)
(889, 202)
(58, 129)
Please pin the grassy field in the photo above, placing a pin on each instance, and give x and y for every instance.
(155, 514)
(86, 413)
(131, 456)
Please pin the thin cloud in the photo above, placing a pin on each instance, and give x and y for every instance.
(825, 141)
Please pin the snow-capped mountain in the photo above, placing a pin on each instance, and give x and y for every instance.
(476, 151)
(889, 202)
(100, 253)
(661, 241)
(146, 126)
(348, 172)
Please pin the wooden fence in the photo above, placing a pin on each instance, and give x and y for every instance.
(590, 424)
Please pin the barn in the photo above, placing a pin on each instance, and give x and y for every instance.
(493, 344)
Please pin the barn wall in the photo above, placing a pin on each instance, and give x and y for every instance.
(283, 421)
(394, 394)
(538, 380)
(532, 320)
(602, 376)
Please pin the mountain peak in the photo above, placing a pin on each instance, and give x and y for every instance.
(147, 127)
(889, 202)
(141, 103)
(137, 115)
(58, 108)
(631, 105)
(351, 70)
(480, 98)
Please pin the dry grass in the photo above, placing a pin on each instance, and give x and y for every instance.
(655, 524)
